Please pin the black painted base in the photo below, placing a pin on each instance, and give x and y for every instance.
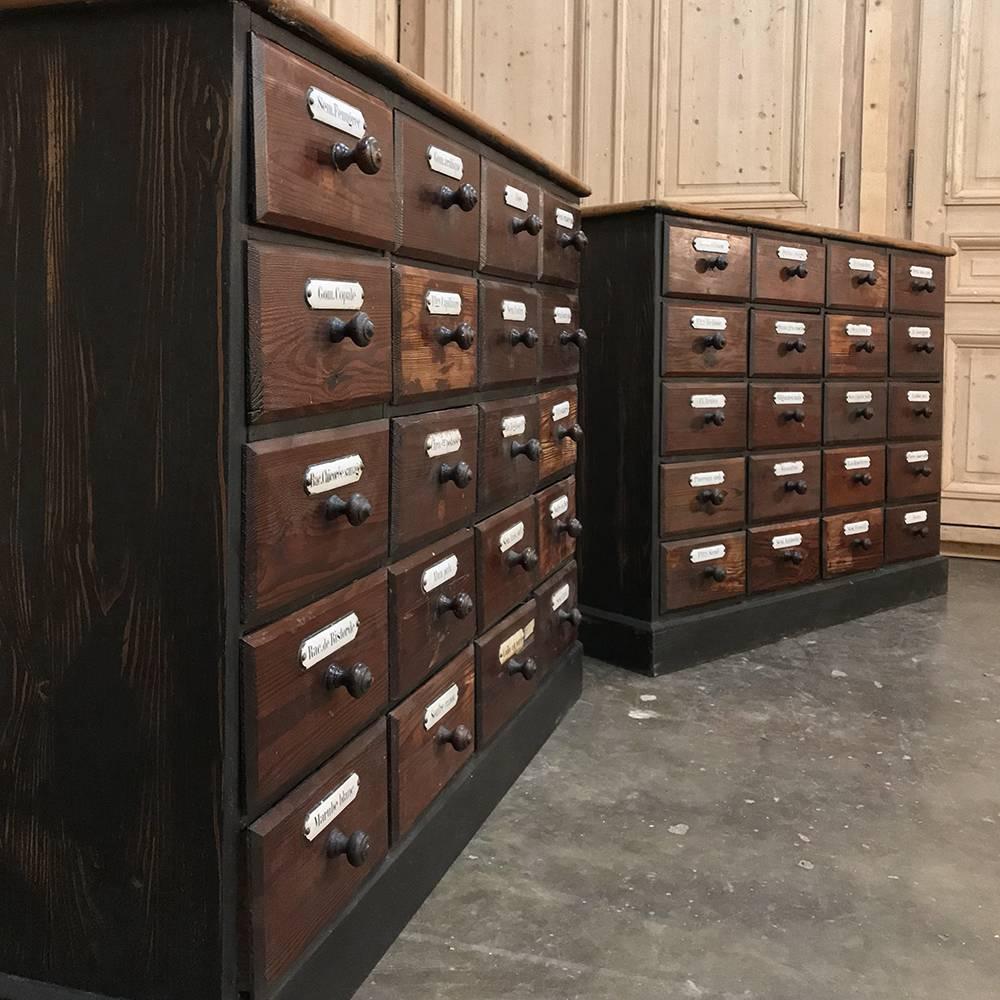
(686, 638)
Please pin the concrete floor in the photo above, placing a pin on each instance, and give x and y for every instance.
(816, 820)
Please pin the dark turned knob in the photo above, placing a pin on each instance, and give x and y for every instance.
(574, 432)
(465, 196)
(459, 473)
(923, 285)
(865, 478)
(798, 271)
(799, 416)
(355, 846)
(716, 573)
(528, 337)
(531, 448)
(798, 345)
(366, 155)
(577, 337)
(716, 340)
(463, 335)
(717, 263)
(577, 240)
(799, 486)
(526, 668)
(924, 411)
(868, 278)
(717, 417)
(866, 414)
(715, 497)
(358, 328)
(460, 737)
(573, 527)
(926, 346)
(867, 346)
(572, 616)
(527, 560)
(922, 532)
(863, 543)
(922, 470)
(461, 605)
(357, 679)
(532, 225)
(357, 509)
(794, 556)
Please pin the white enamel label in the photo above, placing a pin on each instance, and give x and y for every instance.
(789, 328)
(858, 462)
(331, 807)
(322, 294)
(516, 198)
(443, 162)
(443, 303)
(512, 426)
(440, 572)
(511, 309)
(440, 707)
(443, 442)
(918, 396)
(328, 476)
(512, 536)
(916, 271)
(858, 397)
(918, 456)
(707, 553)
(562, 314)
(789, 468)
(784, 398)
(707, 478)
(328, 640)
(559, 506)
(793, 253)
(710, 244)
(512, 645)
(709, 322)
(786, 541)
(337, 114)
(561, 410)
(915, 517)
(705, 401)
(861, 264)
(856, 528)
(564, 218)
(560, 597)
(858, 330)
(919, 332)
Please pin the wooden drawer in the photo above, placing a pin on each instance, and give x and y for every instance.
(707, 262)
(702, 496)
(509, 450)
(913, 470)
(506, 560)
(310, 682)
(308, 856)
(912, 531)
(512, 224)
(557, 615)
(563, 240)
(917, 283)
(852, 542)
(916, 346)
(783, 555)
(784, 485)
(432, 609)
(558, 525)
(704, 338)
(914, 409)
(853, 477)
(784, 343)
(856, 346)
(506, 671)
(703, 416)
(563, 342)
(509, 334)
(435, 325)
(702, 570)
(558, 431)
(857, 276)
(431, 737)
(316, 512)
(438, 195)
(854, 411)
(785, 414)
(788, 269)
(327, 179)
(434, 462)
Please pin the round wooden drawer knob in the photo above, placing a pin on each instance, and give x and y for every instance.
(923, 285)
(528, 337)
(717, 417)
(715, 497)
(574, 432)
(461, 605)
(527, 560)
(799, 486)
(799, 416)
(531, 449)
(526, 668)
(355, 847)
(577, 337)
(463, 335)
(798, 346)
(532, 225)
(865, 478)
(460, 474)
(717, 263)
(922, 532)
(572, 616)
(356, 680)
(465, 196)
(366, 155)
(867, 278)
(359, 329)
(460, 738)
(795, 557)
(357, 509)
(924, 411)
(578, 240)
(866, 346)
(798, 271)
(922, 470)
(716, 573)
(572, 527)
(863, 543)
(926, 346)
(866, 414)
(716, 341)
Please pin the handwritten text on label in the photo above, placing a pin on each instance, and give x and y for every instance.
(858, 462)
(443, 303)
(443, 442)
(707, 553)
(511, 309)
(512, 536)
(789, 468)
(915, 517)
(856, 527)
(326, 476)
(338, 114)
(786, 541)
(443, 162)
(331, 807)
(714, 478)
(440, 572)
(322, 294)
(516, 198)
(440, 707)
(328, 640)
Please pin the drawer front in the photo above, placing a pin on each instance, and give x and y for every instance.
(704, 338)
(704, 263)
(558, 430)
(431, 737)
(512, 224)
(557, 615)
(558, 525)
(435, 324)
(786, 343)
(916, 346)
(783, 555)
(913, 470)
(310, 682)
(785, 414)
(917, 283)
(702, 570)
(563, 342)
(434, 463)
(297, 885)
(563, 240)
(857, 276)
(506, 671)
(703, 496)
(509, 334)
(319, 332)
(853, 477)
(703, 416)
(852, 542)
(326, 179)
(912, 531)
(784, 485)
(509, 450)
(914, 409)
(316, 511)
(856, 346)
(506, 560)
(432, 609)
(438, 195)
(854, 411)
(788, 269)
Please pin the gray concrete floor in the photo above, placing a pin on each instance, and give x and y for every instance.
(815, 820)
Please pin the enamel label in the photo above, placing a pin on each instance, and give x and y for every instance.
(443, 442)
(918, 396)
(328, 476)
(710, 244)
(793, 253)
(858, 330)
(443, 303)
(917, 271)
(857, 462)
(560, 597)
(328, 640)
(561, 410)
(512, 426)
(511, 309)
(322, 294)
(516, 198)
(860, 396)
(861, 264)
(559, 506)
(337, 114)
(789, 328)
(516, 641)
(562, 314)
(443, 162)
(707, 478)
(786, 541)
(706, 401)
(784, 398)
(564, 218)
(919, 332)
(915, 517)
(789, 468)
(918, 456)
(707, 553)
(512, 536)
(440, 707)
(331, 807)
(440, 572)
(709, 322)
(856, 528)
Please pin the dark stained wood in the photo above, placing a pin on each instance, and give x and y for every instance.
(687, 271)
(687, 506)
(555, 601)
(297, 185)
(505, 248)
(503, 361)
(790, 564)
(688, 350)
(845, 419)
(915, 409)
(561, 250)
(847, 355)
(686, 428)
(500, 584)
(503, 475)
(853, 477)
(774, 407)
(774, 353)
(684, 583)
(844, 287)
(908, 354)
(903, 464)
(558, 359)
(845, 553)
(910, 293)
(559, 448)
(292, 720)
(772, 479)
(555, 543)
(916, 540)
(293, 368)
(776, 279)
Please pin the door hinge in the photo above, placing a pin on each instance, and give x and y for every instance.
(840, 181)
(909, 180)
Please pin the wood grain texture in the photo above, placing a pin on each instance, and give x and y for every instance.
(846, 421)
(686, 271)
(560, 258)
(503, 361)
(684, 583)
(846, 356)
(772, 277)
(555, 545)
(554, 599)
(848, 487)
(771, 495)
(908, 294)
(912, 541)
(771, 568)
(907, 356)
(504, 476)
(684, 509)
(915, 418)
(558, 448)
(560, 360)
(844, 289)
(846, 553)
(499, 584)
(689, 351)
(685, 428)
(903, 478)
(774, 354)
(502, 250)
(772, 424)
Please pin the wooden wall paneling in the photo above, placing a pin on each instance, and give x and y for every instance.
(373, 20)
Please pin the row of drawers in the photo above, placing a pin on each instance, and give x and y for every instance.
(720, 262)
(329, 330)
(722, 493)
(721, 567)
(709, 339)
(308, 855)
(334, 161)
(730, 416)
